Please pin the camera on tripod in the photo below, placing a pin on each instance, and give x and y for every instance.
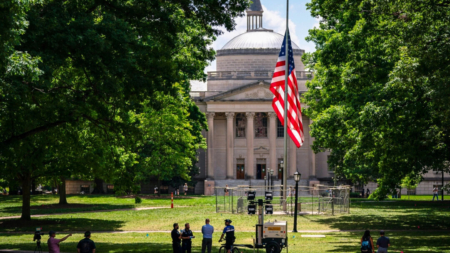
(37, 237)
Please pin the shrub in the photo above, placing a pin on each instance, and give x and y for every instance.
(137, 200)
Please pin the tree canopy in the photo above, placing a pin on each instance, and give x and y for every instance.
(73, 74)
(380, 93)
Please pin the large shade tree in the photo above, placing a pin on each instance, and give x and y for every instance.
(379, 98)
(89, 63)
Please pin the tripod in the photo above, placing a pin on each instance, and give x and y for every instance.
(38, 247)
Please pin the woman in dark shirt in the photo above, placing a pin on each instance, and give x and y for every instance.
(367, 238)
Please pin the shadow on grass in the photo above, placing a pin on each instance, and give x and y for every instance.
(55, 208)
(63, 224)
(414, 242)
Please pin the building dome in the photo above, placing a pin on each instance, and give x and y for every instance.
(260, 39)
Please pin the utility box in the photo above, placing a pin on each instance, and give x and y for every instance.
(275, 229)
(209, 188)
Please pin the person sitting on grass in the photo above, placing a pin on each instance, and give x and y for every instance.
(383, 243)
(53, 243)
(86, 245)
(367, 243)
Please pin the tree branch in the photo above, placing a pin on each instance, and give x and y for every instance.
(31, 132)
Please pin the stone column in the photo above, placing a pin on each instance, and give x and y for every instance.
(273, 141)
(210, 170)
(250, 150)
(292, 158)
(230, 144)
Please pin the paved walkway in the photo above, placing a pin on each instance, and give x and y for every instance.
(96, 211)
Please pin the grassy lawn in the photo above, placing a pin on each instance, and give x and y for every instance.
(412, 242)
(428, 224)
(12, 205)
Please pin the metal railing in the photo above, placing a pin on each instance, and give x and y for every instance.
(217, 75)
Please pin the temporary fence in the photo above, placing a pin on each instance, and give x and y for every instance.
(320, 199)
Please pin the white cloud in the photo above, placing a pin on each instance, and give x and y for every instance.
(273, 20)
(317, 23)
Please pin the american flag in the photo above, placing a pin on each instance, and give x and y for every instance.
(295, 124)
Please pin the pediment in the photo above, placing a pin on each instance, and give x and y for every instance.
(255, 91)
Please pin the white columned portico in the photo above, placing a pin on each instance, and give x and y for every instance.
(250, 150)
(230, 144)
(210, 117)
(273, 141)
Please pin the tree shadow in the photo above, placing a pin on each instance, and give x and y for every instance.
(56, 209)
(415, 242)
(59, 224)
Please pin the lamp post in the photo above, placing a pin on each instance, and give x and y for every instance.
(282, 169)
(265, 183)
(297, 177)
(271, 179)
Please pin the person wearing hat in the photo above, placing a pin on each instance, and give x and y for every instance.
(53, 243)
(86, 245)
(229, 232)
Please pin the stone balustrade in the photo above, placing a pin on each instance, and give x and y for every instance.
(252, 75)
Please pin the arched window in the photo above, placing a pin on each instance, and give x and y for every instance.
(260, 125)
(241, 123)
(280, 129)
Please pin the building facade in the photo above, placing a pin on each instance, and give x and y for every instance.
(245, 137)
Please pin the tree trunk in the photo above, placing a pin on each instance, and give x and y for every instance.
(33, 186)
(98, 186)
(62, 192)
(159, 187)
(26, 185)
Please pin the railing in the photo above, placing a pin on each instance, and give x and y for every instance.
(215, 75)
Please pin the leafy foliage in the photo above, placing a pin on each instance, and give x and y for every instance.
(74, 75)
(380, 92)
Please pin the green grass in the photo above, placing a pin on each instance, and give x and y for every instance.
(12, 205)
(412, 242)
(427, 224)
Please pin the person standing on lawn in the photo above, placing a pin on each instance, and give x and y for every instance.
(86, 245)
(383, 243)
(367, 243)
(368, 192)
(187, 237)
(176, 239)
(207, 231)
(435, 193)
(185, 189)
(53, 243)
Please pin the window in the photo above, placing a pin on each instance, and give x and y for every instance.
(280, 129)
(261, 125)
(240, 125)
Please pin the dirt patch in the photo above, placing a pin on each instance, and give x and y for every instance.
(156, 197)
(56, 206)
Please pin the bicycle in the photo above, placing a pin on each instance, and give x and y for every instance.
(233, 249)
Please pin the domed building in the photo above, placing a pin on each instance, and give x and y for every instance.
(245, 137)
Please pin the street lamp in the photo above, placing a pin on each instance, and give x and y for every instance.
(282, 169)
(297, 177)
(265, 183)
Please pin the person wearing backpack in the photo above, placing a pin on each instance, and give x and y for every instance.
(367, 243)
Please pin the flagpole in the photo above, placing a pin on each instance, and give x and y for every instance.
(285, 167)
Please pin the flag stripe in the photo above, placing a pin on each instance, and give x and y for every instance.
(294, 115)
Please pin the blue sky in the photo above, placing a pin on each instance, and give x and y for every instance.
(274, 17)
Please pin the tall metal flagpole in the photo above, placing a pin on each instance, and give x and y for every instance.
(285, 167)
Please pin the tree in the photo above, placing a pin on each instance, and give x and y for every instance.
(169, 142)
(90, 64)
(379, 96)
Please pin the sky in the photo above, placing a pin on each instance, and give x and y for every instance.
(274, 17)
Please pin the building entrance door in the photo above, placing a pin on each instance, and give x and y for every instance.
(240, 171)
(260, 171)
(280, 172)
